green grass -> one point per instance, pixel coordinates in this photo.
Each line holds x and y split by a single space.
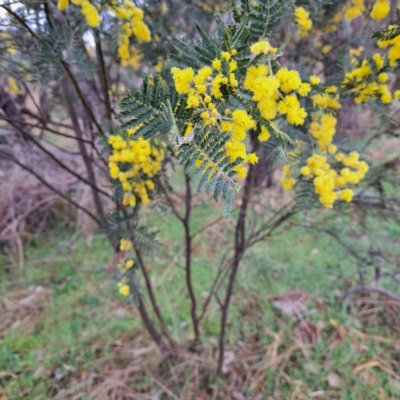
78 315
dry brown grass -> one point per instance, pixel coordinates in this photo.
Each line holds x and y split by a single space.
134 368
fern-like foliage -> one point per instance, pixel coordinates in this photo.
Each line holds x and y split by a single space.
127 226
264 16
144 110
60 42
147 110
216 169
196 55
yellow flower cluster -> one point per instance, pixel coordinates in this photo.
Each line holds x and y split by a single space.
264 135
329 184
125 245
367 85
237 126
289 79
288 181
134 19
183 78
88 10
124 265
355 9
303 19
124 288
12 86
354 53
327 100
273 94
134 164
380 9
204 89
62 4
323 129
267 91
290 106
263 47
394 51
7 42
209 6
133 25
159 66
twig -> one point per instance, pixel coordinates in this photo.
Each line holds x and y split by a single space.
185 220
56 160
20 20
240 246
44 127
81 97
216 283
153 298
31 171
99 51
362 288
188 258
82 149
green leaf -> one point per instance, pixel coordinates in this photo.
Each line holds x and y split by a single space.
240 30
218 187
228 204
204 179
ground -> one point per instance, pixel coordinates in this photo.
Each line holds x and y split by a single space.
66 332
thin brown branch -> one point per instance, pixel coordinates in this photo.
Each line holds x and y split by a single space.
219 278
45 128
100 55
170 202
270 227
238 253
379 290
146 320
49 121
31 171
188 261
86 159
56 160
81 96
20 20
153 300
212 223
149 324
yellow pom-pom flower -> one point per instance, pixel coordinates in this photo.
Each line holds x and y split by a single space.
380 9
62 4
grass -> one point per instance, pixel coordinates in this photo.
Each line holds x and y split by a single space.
76 328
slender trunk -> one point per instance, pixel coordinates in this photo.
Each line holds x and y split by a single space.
82 97
104 79
153 300
188 262
238 253
88 164
149 325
